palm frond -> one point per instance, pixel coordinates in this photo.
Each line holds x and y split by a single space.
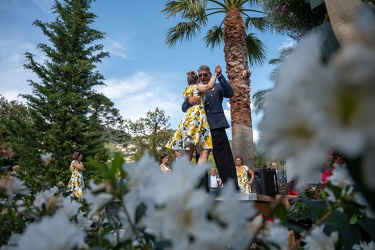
284 52
182 31
259 99
274 73
214 37
220 3
186 9
260 23
253 2
256 50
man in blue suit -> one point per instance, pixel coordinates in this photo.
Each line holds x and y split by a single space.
218 123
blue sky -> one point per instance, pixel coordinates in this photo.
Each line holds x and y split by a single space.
142 73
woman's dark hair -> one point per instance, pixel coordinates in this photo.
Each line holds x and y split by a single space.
239 157
162 158
76 154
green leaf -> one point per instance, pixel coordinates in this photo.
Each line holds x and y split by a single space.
139 212
116 164
355 218
282 213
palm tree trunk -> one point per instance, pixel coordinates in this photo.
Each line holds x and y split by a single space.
236 59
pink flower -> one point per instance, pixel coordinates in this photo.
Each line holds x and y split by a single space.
275 9
283 9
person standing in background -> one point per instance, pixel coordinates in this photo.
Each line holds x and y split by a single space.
164 164
281 184
76 184
244 183
214 181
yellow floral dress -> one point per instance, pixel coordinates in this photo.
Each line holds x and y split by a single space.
76 184
193 127
242 180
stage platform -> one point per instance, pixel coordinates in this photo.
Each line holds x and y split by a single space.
264 203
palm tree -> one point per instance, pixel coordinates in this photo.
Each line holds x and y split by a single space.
240 50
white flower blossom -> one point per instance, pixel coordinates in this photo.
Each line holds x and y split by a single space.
21 208
115 237
236 215
46 158
317 239
346 120
292 122
255 224
96 201
83 222
183 218
12 242
341 177
276 234
12 185
184 178
50 198
144 177
55 232
358 197
364 246
70 206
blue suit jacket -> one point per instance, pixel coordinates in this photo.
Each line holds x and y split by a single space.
213 104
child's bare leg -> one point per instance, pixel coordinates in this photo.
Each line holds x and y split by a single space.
190 151
203 155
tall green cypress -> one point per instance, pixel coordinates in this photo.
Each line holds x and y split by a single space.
63 103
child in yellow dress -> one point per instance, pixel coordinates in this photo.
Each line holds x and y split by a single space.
193 129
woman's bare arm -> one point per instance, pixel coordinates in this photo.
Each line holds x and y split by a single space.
210 85
252 175
78 165
162 169
203 88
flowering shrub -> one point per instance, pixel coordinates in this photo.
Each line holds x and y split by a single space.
316 106
314 192
291 17
136 206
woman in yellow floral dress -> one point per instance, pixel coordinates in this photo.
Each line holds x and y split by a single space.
193 129
76 184
244 183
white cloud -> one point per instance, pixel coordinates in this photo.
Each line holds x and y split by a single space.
256 135
227 114
13 75
136 95
117 88
116 48
289 42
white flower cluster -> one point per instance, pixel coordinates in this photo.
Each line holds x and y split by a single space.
317 106
12 185
177 211
57 231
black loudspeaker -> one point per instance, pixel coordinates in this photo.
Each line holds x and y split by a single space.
265 181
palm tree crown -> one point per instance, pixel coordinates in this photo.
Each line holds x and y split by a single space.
194 16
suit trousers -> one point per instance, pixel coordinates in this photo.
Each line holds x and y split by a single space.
223 155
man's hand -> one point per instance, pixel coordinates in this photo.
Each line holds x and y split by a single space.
218 70
193 100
